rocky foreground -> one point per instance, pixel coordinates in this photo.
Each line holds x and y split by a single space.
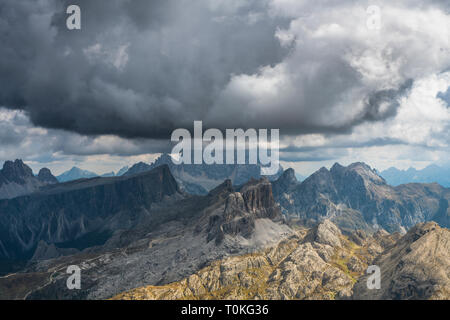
322 263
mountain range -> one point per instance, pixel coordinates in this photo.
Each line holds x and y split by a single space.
356 197
200 179
142 236
429 174
76 173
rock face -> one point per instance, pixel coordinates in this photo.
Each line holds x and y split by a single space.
416 267
356 197
325 233
253 201
80 214
17 179
200 179
285 183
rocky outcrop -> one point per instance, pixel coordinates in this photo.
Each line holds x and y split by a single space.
298 267
356 197
17 179
416 267
323 264
46 176
286 182
253 201
325 233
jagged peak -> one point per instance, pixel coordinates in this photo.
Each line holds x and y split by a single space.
140 163
365 171
323 169
336 166
45 175
16 170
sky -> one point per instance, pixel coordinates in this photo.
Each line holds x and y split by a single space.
339 86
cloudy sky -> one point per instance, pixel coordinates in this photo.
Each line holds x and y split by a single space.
339 87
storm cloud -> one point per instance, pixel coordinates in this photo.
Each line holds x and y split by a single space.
140 69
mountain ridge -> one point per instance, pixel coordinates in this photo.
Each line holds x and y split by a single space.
200 179
360 193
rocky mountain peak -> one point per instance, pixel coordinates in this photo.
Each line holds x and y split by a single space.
45 175
325 232
253 201
366 172
16 171
138 168
17 179
258 195
321 176
289 176
285 182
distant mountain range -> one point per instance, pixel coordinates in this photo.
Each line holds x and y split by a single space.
76 173
430 174
200 179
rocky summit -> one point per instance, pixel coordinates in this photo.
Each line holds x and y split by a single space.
17 179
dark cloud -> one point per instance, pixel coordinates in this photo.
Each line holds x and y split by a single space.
136 69
140 69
